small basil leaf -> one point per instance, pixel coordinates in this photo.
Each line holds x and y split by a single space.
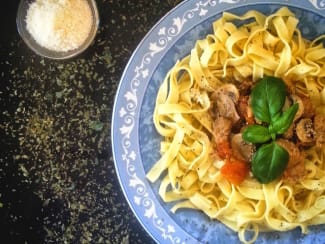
282 124
269 162
256 134
267 98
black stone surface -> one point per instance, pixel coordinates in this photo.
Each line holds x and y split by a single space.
57 178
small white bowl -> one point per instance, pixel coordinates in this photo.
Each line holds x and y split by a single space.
42 51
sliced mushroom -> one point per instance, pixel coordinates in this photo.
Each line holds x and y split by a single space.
305 109
225 99
309 110
305 132
300 112
319 125
231 91
241 149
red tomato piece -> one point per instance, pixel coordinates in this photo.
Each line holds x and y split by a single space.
235 171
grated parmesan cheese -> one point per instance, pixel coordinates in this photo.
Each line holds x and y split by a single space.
59 25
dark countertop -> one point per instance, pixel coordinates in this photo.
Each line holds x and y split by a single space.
57 178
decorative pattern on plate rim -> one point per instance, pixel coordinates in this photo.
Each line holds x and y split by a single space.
319 4
128 112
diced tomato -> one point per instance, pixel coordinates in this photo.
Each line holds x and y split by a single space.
235 171
224 149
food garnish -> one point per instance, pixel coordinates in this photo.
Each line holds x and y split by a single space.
267 100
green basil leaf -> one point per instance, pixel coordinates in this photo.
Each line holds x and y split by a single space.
267 98
256 134
281 124
269 162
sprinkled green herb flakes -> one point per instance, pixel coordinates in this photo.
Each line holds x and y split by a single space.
96 125
60 124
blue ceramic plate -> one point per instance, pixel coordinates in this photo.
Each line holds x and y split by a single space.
135 141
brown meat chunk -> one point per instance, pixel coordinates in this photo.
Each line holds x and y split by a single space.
222 129
296 165
225 100
245 86
290 132
319 125
244 109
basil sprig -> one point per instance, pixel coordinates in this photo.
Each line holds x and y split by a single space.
267 100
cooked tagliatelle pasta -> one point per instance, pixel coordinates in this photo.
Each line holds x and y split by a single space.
241 49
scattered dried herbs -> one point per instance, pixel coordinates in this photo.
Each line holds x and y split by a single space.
55 118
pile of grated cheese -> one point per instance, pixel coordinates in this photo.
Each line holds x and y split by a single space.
59 25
